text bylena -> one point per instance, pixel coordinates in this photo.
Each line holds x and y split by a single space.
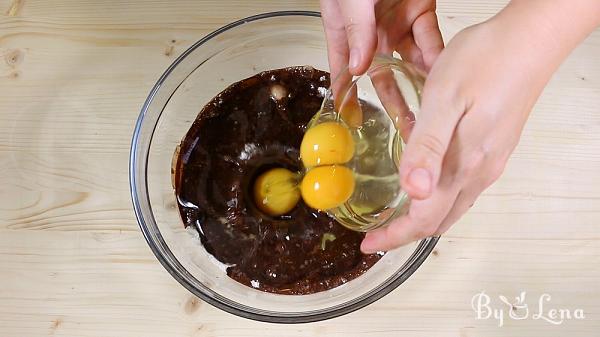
519 309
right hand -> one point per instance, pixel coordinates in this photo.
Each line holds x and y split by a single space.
476 100
357 29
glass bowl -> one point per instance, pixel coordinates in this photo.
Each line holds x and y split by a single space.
379 108
227 55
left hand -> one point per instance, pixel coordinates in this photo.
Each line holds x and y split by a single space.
357 29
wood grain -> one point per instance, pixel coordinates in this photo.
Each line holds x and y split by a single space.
73 76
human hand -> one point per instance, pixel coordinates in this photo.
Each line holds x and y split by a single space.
357 29
475 103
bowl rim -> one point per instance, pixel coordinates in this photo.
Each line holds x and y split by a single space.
157 245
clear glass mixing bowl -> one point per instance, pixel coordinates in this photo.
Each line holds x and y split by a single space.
227 55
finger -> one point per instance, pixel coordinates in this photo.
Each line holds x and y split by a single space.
465 199
387 89
423 219
350 109
486 174
428 38
335 34
472 167
421 163
359 20
345 98
392 100
408 49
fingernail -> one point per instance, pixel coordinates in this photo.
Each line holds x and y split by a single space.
354 61
420 178
370 243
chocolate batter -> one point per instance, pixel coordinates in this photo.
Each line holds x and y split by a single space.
252 126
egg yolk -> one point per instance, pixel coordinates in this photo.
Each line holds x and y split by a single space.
276 191
326 144
327 187
351 112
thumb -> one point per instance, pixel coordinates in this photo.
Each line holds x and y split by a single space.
359 21
421 163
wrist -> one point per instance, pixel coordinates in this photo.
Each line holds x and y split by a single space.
542 33
558 25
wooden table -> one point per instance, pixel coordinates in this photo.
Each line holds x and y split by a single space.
73 76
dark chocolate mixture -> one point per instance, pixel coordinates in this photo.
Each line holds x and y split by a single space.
254 125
